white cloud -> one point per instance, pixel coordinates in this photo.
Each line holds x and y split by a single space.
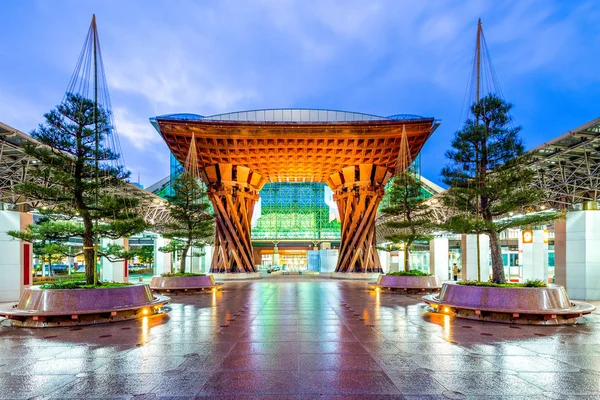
20 113
138 132
374 56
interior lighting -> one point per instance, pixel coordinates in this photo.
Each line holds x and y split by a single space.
446 309
145 311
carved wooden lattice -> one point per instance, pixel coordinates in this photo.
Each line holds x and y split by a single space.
233 191
364 152
357 192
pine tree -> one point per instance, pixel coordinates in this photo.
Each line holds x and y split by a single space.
192 225
67 179
407 205
487 178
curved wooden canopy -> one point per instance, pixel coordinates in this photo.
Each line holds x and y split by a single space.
294 151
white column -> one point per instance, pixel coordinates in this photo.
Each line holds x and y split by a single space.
206 259
469 257
560 253
438 258
384 259
583 255
534 257
162 261
275 256
328 260
396 260
116 271
16 256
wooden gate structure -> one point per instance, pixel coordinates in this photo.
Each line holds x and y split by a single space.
237 153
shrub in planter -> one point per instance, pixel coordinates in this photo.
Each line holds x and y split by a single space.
412 272
179 274
81 285
536 283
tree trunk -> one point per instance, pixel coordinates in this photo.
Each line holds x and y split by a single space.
407 255
88 250
183 259
497 264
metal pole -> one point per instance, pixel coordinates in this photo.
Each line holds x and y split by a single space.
478 60
96 244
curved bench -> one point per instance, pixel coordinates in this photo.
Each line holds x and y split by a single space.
40 308
408 284
183 284
544 306
237 276
355 276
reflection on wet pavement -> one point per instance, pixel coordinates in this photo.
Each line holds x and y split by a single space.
298 338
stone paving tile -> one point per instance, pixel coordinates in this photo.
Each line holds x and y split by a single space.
578 383
107 386
8 364
61 366
486 383
25 387
180 384
140 365
530 364
302 338
452 363
260 362
330 362
346 382
252 383
332 347
415 382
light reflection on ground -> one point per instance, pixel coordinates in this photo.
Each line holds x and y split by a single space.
294 336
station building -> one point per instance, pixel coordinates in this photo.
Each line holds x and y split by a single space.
296 222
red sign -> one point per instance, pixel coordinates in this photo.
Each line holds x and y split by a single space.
26 263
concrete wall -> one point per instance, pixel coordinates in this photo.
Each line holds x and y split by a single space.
583 255
438 258
16 257
534 257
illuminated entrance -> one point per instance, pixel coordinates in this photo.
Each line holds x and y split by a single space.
238 153
285 259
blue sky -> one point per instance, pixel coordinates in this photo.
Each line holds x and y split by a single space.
379 56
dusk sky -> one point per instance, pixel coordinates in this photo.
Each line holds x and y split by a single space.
377 57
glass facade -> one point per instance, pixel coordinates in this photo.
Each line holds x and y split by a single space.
175 169
296 211
292 211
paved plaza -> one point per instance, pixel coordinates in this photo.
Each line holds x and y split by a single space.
302 338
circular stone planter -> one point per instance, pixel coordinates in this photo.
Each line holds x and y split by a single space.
355 276
408 284
242 276
183 284
542 306
41 308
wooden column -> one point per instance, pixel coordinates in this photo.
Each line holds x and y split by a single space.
233 191
357 193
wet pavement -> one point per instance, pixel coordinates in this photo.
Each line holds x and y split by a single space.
302 338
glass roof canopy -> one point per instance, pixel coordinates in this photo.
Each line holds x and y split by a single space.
290 115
